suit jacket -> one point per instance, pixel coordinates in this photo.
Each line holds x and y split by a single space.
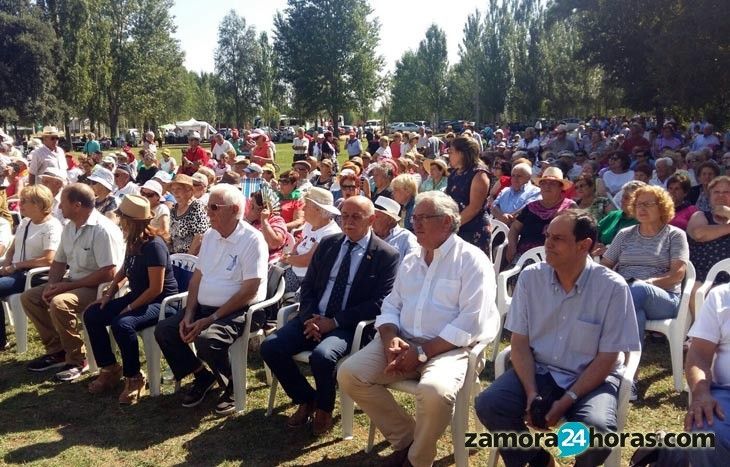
372 282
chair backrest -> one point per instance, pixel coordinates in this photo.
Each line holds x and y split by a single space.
497 242
533 255
722 266
183 266
688 283
504 297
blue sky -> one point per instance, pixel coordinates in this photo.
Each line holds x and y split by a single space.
403 24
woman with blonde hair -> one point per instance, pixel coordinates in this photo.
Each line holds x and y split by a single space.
405 189
148 270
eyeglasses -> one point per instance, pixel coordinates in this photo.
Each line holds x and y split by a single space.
646 204
423 217
118 175
348 187
148 194
215 207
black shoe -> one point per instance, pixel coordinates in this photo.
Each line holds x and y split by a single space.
634 396
47 362
226 404
202 384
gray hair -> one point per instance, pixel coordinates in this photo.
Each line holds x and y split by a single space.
666 160
443 204
385 167
149 133
230 195
632 186
524 168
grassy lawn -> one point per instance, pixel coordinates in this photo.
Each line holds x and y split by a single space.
48 423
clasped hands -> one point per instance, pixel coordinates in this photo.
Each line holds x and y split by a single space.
317 326
556 412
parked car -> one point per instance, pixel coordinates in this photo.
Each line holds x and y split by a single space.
422 123
373 126
404 127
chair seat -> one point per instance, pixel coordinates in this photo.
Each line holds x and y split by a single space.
659 325
302 357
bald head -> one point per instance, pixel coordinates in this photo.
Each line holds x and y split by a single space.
362 203
358 214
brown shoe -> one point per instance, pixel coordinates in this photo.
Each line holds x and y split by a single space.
397 458
301 416
322 422
134 389
107 380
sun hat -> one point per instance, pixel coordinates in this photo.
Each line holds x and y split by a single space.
154 186
323 199
183 179
165 152
303 163
269 168
54 172
162 176
231 178
554 174
389 207
199 177
135 207
50 131
253 167
439 162
103 176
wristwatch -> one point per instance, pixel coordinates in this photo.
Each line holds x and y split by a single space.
422 357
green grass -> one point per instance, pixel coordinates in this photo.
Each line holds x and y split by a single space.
48 423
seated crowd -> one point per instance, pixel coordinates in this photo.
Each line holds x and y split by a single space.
401 237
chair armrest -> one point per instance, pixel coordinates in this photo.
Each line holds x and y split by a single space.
477 358
630 367
357 340
271 301
500 363
502 279
285 314
34 272
178 297
700 296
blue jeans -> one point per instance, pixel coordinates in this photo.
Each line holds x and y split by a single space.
651 302
279 348
9 285
721 428
124 327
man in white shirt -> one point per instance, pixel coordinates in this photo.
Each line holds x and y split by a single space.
300 145
53 179
385 226
222 148
124 182
706 140
443 301
47 155
230 275
664 168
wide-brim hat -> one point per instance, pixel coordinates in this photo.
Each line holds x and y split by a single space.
54 172
182 179
103 176
304 164
254 167
135 207
50 131
154 186
200 178
323 199
389 207
439 162
554 174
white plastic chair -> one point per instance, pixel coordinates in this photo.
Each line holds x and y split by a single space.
462 406
701 293
504 298
631 363
496 249
347 405
152 351
239 350
16 314
676 329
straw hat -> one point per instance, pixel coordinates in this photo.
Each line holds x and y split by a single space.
323 199
555 174
135 207
183 179
54 172
50 131
389 207
439 162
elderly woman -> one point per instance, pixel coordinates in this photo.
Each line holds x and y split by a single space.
148 168
699 195
152 190
168 164
652 256
35 244
350 185
326 176
438 175
148 270
382 174
586 198
269 223
200 187
319 213
468 185
149 143
102 183
709 231
290 198
618 173
678 186
616 220
528 229
188 218
405 189
263 152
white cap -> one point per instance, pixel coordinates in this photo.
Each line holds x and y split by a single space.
153 185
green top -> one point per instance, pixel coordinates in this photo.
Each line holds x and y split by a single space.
296 194
609 226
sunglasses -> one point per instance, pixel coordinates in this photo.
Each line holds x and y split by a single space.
216 207
348 187
119 175
148 194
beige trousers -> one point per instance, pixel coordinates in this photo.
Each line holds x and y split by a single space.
362 377
58 323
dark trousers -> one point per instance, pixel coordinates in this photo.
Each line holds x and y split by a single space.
9 285
501 408
211 344
124 327
279 348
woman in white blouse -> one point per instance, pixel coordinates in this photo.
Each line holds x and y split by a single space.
36 241
618 172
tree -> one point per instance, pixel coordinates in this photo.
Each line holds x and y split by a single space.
234 68
433 57
407 101
272 92
340 72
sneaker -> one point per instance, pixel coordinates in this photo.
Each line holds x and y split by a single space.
201 386
47 362
72 372
634 393
226 405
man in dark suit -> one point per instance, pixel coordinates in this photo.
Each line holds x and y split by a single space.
349 276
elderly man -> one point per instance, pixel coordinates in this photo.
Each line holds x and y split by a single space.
561 141
353 145
230 275
91 248
124 182
530 143
635 139
709 379
385 226
570 318
442 303
49 154
664 168
706 140
223 149
345 283
53 179
300 144
520 192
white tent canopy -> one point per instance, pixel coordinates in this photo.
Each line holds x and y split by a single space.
204 128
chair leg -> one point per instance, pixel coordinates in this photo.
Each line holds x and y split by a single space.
493 457
153 354
347 409
19 322
89 353
498 339
676 352
272 395
239 353
459 423
371 436
269 376
613 459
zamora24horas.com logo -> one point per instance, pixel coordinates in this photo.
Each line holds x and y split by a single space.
573 438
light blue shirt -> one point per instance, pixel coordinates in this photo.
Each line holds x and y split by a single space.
511 201
402 240
354 148
358 251
567 330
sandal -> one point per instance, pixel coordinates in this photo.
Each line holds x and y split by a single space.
108 379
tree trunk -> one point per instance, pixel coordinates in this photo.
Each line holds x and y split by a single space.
659 114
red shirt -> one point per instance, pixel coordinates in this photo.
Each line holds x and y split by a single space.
194 155
288 207
395 150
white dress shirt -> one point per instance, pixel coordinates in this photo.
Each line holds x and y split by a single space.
452 298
